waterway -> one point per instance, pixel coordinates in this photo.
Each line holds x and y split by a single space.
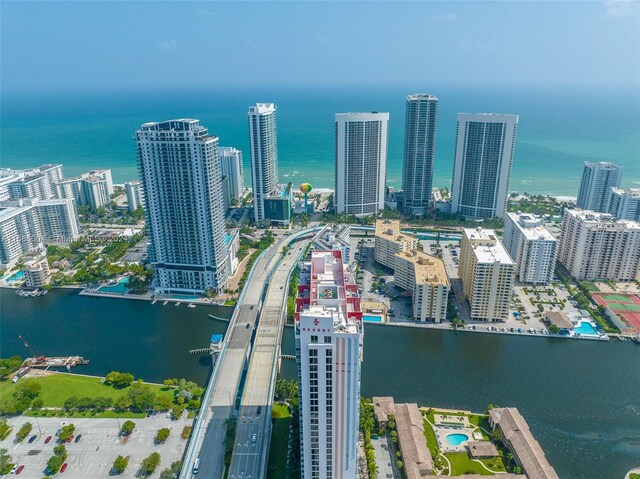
580 398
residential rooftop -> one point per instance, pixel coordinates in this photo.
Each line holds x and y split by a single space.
531 226
427 268
390 230
486 246
602 221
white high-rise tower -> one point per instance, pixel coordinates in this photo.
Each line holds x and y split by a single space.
595 186
231 160
264 155
329 338
181 175
419 152
482 165
361 162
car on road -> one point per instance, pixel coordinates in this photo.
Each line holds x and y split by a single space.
48 440
64 467
254 437
247 326
259 409
32 438
20 469
78 437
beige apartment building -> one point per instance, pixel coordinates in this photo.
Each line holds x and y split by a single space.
390 241
488 273
425 275
596 246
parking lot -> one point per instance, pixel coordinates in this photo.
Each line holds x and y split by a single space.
100 444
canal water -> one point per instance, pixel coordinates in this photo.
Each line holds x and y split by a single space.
580 398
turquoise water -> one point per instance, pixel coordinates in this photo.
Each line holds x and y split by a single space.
557 132
185 297
121 287
16 276
372 319
586 329
457 439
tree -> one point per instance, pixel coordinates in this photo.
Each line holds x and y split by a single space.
400 464
9 365
37 403
127 428
5 459
173 471
60 450
54 464
122 403
24 431
28 389
118 380
177 411
142 397
163 434
150 463
163 403
66 432
120 464
554 329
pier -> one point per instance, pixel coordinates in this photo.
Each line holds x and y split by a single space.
55 362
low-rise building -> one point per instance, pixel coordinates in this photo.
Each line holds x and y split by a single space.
411 439
277 209
481 449
517 437
531 246
488 273
390 241
334 237
559 320
36 272
597 246
426 277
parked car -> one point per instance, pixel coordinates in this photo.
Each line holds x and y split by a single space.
70 438
48 440
78 437
64 467
32 438
20 469
14 469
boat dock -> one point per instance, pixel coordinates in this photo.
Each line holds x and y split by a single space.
55 362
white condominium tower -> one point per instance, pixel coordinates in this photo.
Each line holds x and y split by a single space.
180 171
595 186
482 164
596 246
625 203
329 335
135 195
231 160
264 155
419 152
361 162
531 246
487 274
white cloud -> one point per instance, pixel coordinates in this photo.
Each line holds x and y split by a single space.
447 17
168 45
619 8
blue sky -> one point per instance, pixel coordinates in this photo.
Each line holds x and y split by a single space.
98 45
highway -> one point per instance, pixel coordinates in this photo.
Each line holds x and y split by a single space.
253 430
218 400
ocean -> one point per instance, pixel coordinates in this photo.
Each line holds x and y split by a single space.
558 129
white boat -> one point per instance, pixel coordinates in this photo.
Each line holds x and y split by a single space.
191 305
165 303
178 303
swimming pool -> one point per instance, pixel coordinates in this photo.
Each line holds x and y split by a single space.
16 277
121 287
457 439
586 329
372 319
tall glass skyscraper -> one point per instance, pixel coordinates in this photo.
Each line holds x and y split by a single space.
482 166
182 179
595 186
419 152
263 139
361 162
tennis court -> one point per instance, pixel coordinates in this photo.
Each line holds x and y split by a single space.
625 306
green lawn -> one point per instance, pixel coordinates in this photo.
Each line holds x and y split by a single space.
280 411
432 443
57 388
110 414
277 468
624 307
633 475
462 464
589 286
